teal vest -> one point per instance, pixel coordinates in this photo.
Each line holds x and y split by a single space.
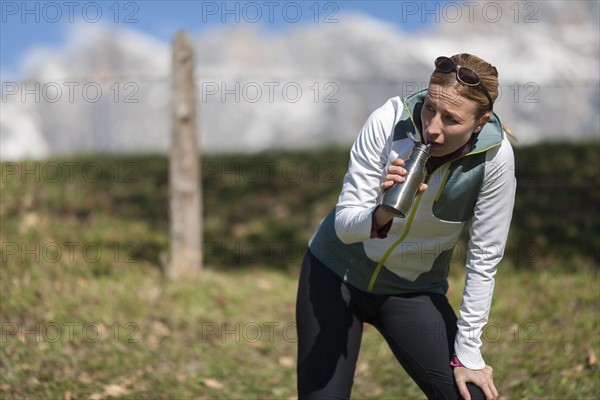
416 255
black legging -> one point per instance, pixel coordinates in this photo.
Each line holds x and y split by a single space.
419 329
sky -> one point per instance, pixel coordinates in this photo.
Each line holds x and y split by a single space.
26 25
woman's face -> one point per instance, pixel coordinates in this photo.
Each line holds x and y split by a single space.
448 119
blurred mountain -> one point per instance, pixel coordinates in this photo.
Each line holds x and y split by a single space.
309 86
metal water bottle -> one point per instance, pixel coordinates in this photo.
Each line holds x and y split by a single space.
398 199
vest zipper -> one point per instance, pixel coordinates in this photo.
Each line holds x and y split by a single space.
411 217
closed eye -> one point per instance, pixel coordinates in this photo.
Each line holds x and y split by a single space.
452 120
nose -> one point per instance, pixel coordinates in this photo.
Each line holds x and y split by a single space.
434 129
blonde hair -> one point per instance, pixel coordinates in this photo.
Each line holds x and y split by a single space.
488 74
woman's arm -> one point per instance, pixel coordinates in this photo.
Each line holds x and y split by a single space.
488 234
361 188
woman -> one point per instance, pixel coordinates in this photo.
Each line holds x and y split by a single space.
365 265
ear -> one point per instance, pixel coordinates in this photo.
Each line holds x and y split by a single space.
482 121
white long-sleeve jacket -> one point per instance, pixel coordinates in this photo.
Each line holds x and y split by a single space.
475 190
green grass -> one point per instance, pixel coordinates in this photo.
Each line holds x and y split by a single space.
87 313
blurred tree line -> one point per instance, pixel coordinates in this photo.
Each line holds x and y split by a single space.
261 209
555 220
556 216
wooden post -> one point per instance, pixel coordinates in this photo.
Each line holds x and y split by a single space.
185 195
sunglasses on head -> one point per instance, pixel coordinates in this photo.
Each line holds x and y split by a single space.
464 75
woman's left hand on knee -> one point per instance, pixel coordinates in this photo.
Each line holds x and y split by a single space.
479 377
